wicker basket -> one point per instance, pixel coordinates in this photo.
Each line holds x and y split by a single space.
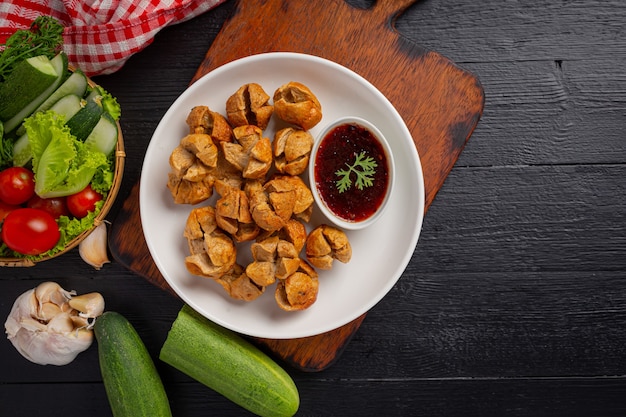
120 157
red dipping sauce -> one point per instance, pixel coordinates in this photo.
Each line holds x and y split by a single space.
338 150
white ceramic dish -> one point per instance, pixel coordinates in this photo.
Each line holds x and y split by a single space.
380 252
322 206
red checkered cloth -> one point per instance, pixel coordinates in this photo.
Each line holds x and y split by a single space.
100 35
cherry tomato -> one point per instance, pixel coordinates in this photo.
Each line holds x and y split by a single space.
30 231
56 206
17 185
5 209
83 202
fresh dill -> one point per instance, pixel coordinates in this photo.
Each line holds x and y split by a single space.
44 37
6 150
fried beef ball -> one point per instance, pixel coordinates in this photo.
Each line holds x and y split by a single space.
232 213
250 152
202 120
296 104
212 252
292 149
299 290
249 105
191 178
271 204
326 243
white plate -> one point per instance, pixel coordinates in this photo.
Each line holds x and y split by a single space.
380 253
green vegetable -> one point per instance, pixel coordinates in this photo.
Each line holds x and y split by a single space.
226 363
75 84
62 164
21 151
6 150
83 122
131 380
363 167
30 79
44 37
67 107
103 137
59 63
70 227
108 102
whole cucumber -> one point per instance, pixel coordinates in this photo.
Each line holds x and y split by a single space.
225 362
132 383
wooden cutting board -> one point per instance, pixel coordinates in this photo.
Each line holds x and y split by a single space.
441 104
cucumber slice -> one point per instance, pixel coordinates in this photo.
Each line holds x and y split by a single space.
22 153
94 95
32 86
103 137
83 122
75 84
67 106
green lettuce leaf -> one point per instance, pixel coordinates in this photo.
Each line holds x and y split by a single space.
62 164
109 103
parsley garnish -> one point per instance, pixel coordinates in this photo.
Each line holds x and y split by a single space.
363 167
44 37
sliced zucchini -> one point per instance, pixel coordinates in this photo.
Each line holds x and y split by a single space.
30 87
103 137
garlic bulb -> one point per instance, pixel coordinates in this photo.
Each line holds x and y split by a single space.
93 248
51 326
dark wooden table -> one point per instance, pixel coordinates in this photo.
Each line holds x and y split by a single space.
514 303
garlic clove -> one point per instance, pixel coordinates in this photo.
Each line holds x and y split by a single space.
33 325
83 335
90 305
61 323
30 304
66 307
51 292
48 310
93 248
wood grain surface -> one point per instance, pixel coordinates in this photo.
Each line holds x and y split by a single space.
513 302
440 103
